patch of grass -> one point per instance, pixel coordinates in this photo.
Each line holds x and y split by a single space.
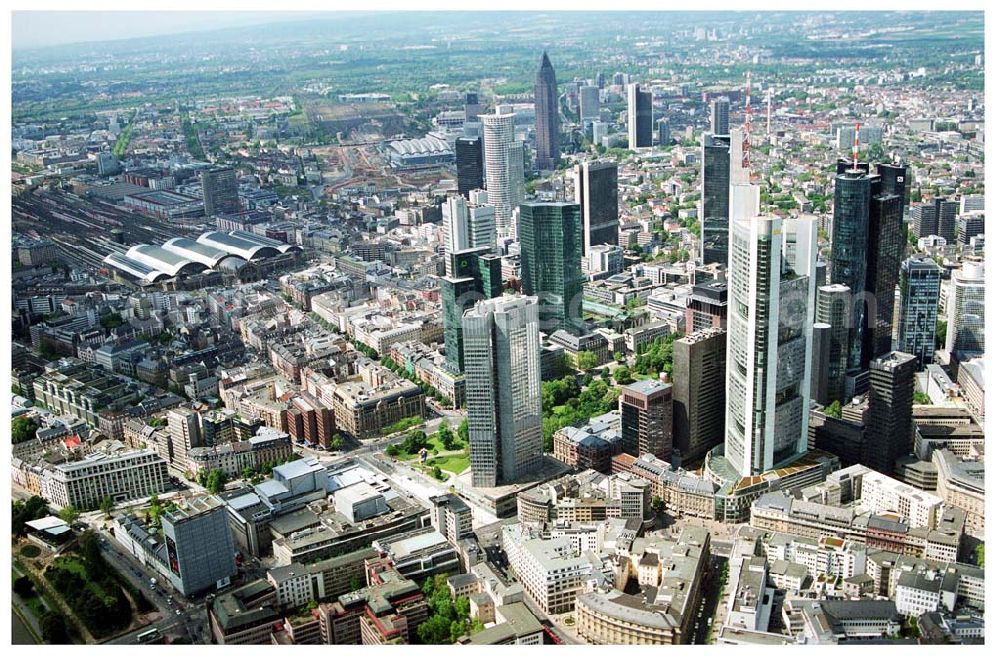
455 464
402 424
31 551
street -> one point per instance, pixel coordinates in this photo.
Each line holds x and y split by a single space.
175 612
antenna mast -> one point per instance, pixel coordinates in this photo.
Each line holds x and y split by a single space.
746 127
857 135
769 91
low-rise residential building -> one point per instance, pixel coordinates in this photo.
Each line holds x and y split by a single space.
363 410
267 446
669 573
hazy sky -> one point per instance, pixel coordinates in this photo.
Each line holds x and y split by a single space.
34 29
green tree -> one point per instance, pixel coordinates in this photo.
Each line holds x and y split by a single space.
833 410
921 398
586 360
337 442
658 505
216 480
27 511
248 472
54 629
111 320
69 514
940 334
22 429
436 630
107 505
463 430
981 554
623 376
24 587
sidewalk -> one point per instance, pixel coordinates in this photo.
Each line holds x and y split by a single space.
27 617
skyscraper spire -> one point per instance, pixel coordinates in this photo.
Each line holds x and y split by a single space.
546 116
746 127
857 136
769 94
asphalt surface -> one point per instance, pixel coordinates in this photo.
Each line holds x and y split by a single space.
190 622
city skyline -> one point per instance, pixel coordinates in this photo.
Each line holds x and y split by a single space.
498 328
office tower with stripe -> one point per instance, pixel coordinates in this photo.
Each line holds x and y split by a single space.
220 191
719 119
919 290
867 246
596 192
504 164
770 329
474 276
640 117
647 414
715 181
590 104
699 409
889 434
469 164
503 389
550 234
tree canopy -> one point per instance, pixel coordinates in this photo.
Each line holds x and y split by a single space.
22 429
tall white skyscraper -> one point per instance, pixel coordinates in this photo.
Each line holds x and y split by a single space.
772 262
455 217
467 225
504 163
482 221
966 309
503 389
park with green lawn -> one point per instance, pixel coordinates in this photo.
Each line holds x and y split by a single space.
446 450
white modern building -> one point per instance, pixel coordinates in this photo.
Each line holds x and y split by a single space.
504 167
966 311
121 477
552 571
919 592
772 263
468 225
880 493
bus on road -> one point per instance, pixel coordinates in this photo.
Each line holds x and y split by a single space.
149 636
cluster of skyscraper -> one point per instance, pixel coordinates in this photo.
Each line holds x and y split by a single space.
794 333
495 340
794 336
